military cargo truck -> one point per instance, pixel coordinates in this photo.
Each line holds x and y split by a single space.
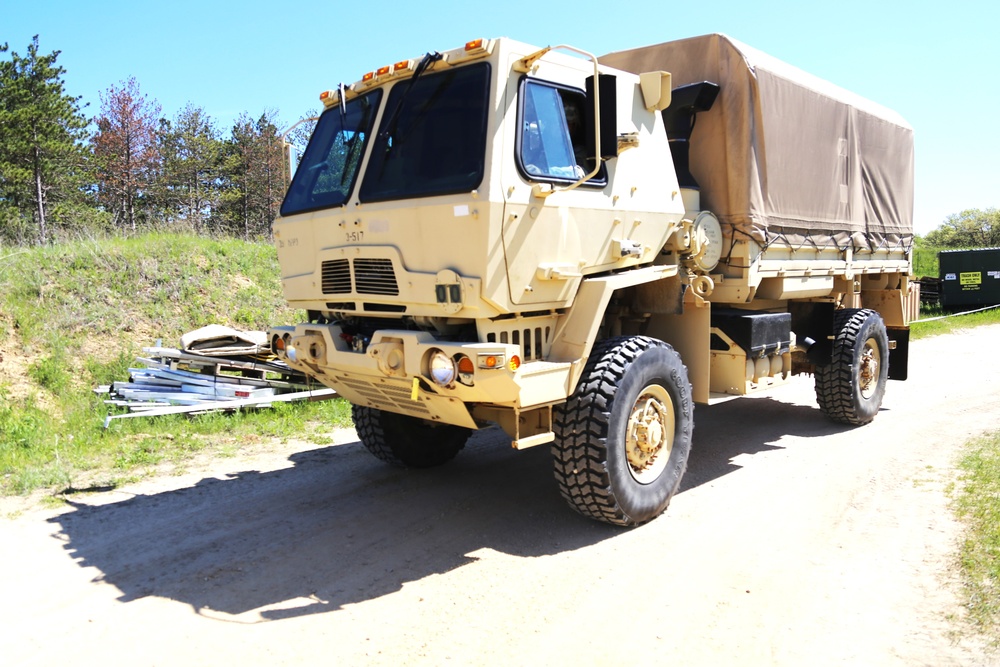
580 249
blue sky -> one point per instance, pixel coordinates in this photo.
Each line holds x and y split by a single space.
935 63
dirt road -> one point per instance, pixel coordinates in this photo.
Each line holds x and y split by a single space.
793 541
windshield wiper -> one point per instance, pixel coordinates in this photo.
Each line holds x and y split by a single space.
390 126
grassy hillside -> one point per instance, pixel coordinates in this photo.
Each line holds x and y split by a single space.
76 315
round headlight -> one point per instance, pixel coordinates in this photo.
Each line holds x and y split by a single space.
442 368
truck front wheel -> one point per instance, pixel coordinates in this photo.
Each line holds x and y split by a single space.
407 441
623 437
850 388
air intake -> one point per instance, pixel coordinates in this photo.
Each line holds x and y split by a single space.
336 277
375 276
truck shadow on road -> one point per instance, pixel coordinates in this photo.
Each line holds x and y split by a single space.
749 426
339 528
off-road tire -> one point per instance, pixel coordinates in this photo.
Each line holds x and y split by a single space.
407 441
592 466
842 392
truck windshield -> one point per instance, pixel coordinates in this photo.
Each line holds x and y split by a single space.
329 167
436 144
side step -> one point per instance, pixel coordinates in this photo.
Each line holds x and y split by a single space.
533 440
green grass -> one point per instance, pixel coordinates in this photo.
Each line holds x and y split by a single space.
977 503
172 282
76 315
955 322
925 262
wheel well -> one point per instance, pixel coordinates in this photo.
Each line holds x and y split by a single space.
812 322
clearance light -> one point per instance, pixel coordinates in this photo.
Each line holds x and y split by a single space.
368 78
515 362
477 48
491 361
401 65
382 71
325 94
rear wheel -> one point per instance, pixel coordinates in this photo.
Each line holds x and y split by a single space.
407 441
850 388
623 438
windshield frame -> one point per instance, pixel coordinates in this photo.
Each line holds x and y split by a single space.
302 195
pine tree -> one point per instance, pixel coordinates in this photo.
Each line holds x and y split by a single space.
254 181
192 155
126 152
42 129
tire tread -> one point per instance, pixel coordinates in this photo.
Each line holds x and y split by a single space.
581 425
835 382
407 442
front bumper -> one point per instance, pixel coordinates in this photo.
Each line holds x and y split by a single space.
392 372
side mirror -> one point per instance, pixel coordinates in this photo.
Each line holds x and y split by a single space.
289 155
288 150
606 115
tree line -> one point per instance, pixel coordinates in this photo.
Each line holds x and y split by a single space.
972 228
126 169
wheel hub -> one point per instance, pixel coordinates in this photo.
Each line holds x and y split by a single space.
650 434
869 370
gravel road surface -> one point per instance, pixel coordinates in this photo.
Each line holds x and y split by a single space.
793 541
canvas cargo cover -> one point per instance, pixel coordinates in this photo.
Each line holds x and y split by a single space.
786 157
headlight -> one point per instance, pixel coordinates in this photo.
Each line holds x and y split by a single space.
442 368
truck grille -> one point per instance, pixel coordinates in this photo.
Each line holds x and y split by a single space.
336 277
371 276
534 341
375 276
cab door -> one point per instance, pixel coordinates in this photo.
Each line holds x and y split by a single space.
549 241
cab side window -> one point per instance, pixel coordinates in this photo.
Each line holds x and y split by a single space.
552 141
